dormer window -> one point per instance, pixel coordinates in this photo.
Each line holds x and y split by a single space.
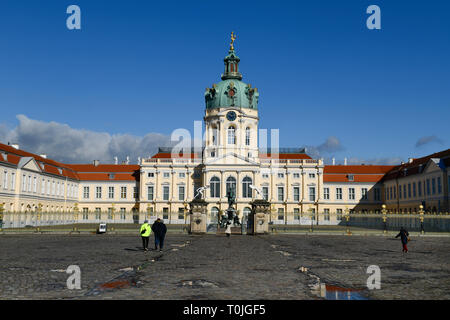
111 176
351 177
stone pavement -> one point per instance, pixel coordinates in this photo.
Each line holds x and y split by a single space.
213 267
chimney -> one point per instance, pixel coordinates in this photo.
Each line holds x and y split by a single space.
410 160
96 163
116 161
43 156
128 160
345 161
334 161
15 146
139 160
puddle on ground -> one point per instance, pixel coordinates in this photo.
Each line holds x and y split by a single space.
332 292
197 284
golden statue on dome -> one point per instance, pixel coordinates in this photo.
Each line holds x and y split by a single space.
233 37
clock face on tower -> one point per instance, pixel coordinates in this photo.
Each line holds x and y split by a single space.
231 116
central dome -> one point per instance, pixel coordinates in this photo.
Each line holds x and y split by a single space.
231 91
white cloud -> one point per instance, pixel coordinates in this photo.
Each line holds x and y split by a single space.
63 143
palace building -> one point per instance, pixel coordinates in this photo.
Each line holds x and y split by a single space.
298 187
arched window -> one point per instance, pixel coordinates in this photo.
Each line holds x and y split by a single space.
247 211
231 135
214 186
231 185
214 213
215 136
247 136
246 190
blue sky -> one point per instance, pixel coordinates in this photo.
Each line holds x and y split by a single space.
141 67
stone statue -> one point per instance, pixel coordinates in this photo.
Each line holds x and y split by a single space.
258 190
200 191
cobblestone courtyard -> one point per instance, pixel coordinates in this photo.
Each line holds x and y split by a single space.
215 267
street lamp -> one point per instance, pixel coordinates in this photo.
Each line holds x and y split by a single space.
384 211
347 218
421 212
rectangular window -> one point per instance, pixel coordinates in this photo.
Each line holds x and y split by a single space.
181 193
29 184
296 193
123 192
296 213
280 194
265 193
123 213
180 213
326 193
312 194
351 193
419 188
85 192
280 175
111 192
439 185
428 187
85 213
399 192
338 214
165 213
13 181
409 190
312 175
150 193
377 194
326 214
24 183
98 213
98 192
364 194
181 175
414 189
166 174
135 192
34 184
57 189
338 193
53 188
395 192
151 174
296 175
5 179
280 213
265 175
166 193
433 185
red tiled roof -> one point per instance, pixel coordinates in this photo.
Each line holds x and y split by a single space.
285 156
106 177
357 169
416 165
360 173
14 155
104 168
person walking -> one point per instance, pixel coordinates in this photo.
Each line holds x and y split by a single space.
159 229
145 231
404 236
228 230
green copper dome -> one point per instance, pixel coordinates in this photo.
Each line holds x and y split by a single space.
231 91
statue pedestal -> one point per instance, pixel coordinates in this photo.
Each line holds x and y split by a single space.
259 217
198 216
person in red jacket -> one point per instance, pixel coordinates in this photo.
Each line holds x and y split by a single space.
403 234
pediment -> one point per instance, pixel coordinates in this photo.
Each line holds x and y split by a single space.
231 159
29 163
432 165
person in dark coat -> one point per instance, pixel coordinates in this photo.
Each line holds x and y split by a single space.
403 234
159 229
